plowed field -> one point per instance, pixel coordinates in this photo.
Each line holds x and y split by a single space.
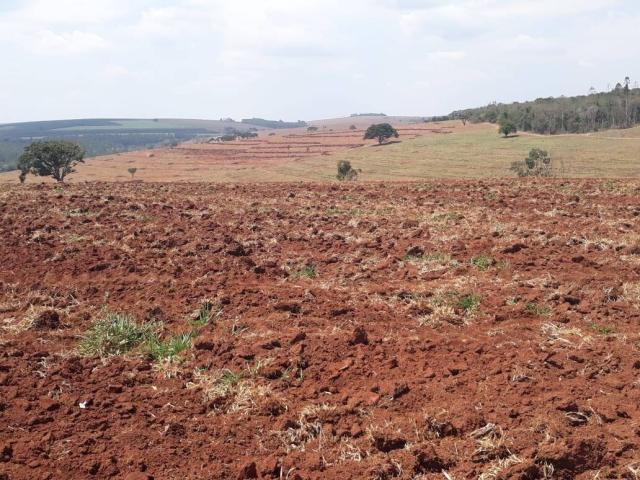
458 330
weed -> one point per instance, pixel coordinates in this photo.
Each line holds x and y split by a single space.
116 334
469 303
158 349
308 271
482 262
602 329
203 315
536 309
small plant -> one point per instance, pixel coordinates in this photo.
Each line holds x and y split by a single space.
469 303
482 262
536 309
203 315
158 349
346 171
308 271
132 171
602 329
116 334
537 164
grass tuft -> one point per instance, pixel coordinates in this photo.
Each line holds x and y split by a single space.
116 334
482 262
158 349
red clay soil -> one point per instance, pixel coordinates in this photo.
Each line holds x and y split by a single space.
370 331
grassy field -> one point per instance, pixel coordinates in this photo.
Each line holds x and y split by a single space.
478 151
442 150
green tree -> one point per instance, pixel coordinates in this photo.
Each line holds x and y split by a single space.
537 164
346 171
380 131
50 158
507 127
132 171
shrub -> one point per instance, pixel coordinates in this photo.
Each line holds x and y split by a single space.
116 334
346 171
537 164
312 129
507 127
132 171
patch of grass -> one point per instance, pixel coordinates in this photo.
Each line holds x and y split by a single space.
482 262
116 334
536 309
602 329
158 349
469 303
308 271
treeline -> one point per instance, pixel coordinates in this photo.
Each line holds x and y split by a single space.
618 108
261 122
97 143
368 115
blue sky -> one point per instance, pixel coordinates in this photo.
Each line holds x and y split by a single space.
304 59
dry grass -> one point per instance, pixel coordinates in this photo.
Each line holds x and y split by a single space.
443 150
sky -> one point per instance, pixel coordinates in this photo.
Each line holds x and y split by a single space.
304 59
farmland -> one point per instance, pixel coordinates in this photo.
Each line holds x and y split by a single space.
423 151
451 329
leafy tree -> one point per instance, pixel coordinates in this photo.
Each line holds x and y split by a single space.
353 127
380 131
507 127
312 129
50 158
537 164
132 171
346 171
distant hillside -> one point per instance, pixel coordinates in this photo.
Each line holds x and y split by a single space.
105 136
273 123
619 108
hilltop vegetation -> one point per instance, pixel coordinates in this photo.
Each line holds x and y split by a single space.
261 122
618 108
106 136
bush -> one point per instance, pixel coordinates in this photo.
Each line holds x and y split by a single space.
312 129
507 128
537 164
346 171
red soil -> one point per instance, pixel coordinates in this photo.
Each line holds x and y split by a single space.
454 329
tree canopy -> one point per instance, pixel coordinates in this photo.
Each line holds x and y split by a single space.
50 158
380 131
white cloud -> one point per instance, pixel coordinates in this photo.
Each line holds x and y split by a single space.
303 59
447 55
47 42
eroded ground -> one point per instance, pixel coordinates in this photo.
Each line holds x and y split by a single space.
436 330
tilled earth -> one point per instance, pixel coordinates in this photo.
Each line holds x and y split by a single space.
454 330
